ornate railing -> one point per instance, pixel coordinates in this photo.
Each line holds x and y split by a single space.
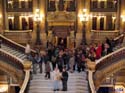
107 65
20 36
22 65
22 6
16 69
12 65
105 6
13 44
27 67
119 39
100 35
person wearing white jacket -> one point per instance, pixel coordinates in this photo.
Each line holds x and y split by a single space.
27 49
56 76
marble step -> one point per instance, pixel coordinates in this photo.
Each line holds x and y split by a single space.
69 80
73 78
49 87
43 74
58 91
70 86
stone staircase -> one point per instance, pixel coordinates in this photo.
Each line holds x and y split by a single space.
77 83
13 51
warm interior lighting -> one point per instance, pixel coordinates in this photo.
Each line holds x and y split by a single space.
113 17
10 2
123 18
119 89
37 10
0 16
83 17
3 88
10 17
84 10
37 16
102 0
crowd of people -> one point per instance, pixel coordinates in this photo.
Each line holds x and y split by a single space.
64 59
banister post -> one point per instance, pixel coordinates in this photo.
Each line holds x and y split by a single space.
91 66
27 67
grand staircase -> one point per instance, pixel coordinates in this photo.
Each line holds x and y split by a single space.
77 83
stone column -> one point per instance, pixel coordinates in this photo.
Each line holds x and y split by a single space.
4 14
118 15
16 22
80 4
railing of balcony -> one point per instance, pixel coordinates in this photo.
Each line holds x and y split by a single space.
19 36
98 35
19 6
105 6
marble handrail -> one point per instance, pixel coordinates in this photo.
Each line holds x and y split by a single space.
14 44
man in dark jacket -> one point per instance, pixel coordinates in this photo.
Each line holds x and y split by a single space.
64 79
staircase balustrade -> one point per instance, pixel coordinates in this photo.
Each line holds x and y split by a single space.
98 70
11 58
107 65
17 73
13 44
119 40
18 64
27 67
16 67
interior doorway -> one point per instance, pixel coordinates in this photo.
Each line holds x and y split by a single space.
62 42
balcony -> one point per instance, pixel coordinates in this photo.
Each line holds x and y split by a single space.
20 6
97 35
103 6
19 36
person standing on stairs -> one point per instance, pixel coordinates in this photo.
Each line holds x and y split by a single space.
38 60
47 70
28 50
64 79
56 76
